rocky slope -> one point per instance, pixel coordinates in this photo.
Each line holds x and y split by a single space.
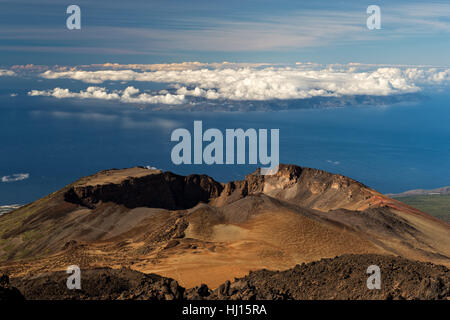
342 278
143 188
337 278
196 230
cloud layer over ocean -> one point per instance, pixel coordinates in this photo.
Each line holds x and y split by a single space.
246 82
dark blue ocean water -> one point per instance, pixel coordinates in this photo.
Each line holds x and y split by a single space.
391 149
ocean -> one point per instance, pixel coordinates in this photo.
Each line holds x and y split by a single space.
389 148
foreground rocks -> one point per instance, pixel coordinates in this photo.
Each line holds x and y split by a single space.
7 292
101 284
337 278
343 278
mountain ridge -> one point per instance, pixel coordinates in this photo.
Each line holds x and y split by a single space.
172 225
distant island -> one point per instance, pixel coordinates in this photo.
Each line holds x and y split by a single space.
434 201
421 192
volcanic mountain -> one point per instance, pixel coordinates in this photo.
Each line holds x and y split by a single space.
196 230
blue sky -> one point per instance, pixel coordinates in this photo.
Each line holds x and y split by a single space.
413 32
131 58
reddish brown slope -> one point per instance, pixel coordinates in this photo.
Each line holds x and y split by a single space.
195 229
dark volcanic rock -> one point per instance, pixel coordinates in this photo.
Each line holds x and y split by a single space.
198 293
156 190
342 277
7 292
101 284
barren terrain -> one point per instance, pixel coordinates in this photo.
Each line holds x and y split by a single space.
199 231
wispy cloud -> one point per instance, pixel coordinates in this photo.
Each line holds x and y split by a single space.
161 123
125 121
90 116
336 163
280 30
15 177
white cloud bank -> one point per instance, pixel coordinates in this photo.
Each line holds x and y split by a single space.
129 95
15 177
245 82
255 83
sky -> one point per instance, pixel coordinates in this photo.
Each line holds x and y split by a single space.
203 53
139 56
283 31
